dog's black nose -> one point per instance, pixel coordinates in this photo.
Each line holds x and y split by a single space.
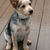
30 11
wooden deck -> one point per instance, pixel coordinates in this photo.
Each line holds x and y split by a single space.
40 23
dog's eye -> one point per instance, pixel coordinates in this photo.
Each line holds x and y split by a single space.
29 3
23 6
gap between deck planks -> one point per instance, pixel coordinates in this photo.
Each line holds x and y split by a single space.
3 21
36 18
40 25
5 18
44 39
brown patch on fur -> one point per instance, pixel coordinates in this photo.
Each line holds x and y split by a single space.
14 3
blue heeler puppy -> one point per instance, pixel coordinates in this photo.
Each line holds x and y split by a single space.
18 28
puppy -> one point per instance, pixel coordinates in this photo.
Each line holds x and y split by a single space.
17 30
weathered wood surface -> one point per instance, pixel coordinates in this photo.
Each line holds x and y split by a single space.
5 13
5 17
36 19
39 34
2 2
44 39
4 7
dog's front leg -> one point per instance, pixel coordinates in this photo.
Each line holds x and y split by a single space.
25 46
15 47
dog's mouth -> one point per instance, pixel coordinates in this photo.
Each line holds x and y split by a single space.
28 14
25 15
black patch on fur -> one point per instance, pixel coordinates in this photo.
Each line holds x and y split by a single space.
6 41
19 4
20 45
9 29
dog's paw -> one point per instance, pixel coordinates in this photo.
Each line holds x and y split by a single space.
29 42
26 48
8 47
15 48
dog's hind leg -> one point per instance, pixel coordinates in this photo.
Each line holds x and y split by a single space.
8 41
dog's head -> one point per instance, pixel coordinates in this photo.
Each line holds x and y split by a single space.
24 7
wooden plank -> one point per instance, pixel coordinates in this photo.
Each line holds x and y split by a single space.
36 18
6 17
3 21
2 42
2 2
4 8
44 39
34 3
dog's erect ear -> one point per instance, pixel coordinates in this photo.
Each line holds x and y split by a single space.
14 3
